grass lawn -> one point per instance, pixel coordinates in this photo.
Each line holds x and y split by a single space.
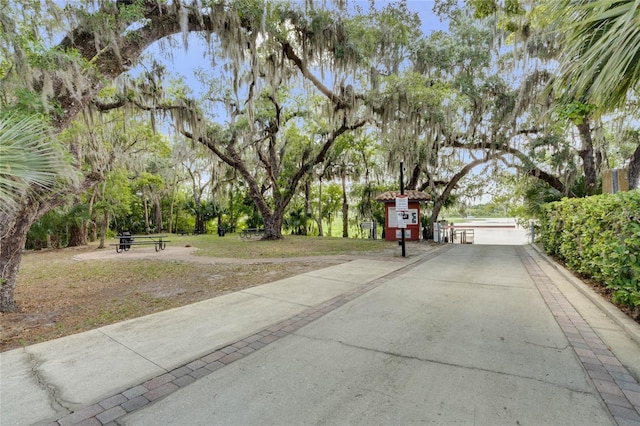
231 245
59 295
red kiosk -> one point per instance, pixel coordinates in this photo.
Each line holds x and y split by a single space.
411 214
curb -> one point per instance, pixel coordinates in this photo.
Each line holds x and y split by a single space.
630 327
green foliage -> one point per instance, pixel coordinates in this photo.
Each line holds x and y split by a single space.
117 194
576 111
484 8
50 226
296 220
30 157
513 7
366 205
598 237
599 59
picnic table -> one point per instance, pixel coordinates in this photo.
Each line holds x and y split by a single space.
250 232
127 241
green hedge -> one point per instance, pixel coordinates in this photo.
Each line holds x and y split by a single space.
598 237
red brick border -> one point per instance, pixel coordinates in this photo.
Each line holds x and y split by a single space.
619 390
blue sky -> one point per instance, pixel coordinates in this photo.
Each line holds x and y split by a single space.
424 8
184 63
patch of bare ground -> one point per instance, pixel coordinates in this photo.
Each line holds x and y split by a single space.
59 295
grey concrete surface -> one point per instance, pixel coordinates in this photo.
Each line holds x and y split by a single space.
463 338
452 341
615 328
48 380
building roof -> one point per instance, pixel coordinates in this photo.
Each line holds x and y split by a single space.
390 196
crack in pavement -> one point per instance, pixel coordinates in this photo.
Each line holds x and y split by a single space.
567 346
439 362
57 404
460 282
278 299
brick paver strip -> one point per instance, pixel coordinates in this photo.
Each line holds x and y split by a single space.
111 414
158 387
616 386
135 403
113 401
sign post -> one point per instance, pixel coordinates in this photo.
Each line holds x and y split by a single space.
402 205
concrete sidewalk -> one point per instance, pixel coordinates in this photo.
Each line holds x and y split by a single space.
47 381
462 334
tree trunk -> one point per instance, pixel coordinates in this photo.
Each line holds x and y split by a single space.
147 227
437 207
158 214
345 209
13 236
170 220
307 207
172 204
93 234
320 230
92 225
78 234
273 226
199 228
588 157
103 228
414 178
232 218
634 170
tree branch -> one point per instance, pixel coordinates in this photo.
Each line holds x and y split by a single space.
530 167
293 57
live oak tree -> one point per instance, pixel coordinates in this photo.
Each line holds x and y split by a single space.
59 81
257 141
448 108
99 41
594 46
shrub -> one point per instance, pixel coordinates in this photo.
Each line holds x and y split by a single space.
598 237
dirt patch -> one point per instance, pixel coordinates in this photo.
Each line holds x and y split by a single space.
63 292
67 291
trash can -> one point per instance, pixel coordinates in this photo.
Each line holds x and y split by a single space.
125 241
221 231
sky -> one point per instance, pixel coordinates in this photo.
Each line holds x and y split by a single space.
185 62
424 8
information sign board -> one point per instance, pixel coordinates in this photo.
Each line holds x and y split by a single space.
410 217
402 202
402 219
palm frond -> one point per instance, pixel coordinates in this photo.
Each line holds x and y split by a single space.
600 63
29 158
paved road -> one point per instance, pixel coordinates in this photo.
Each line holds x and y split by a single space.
463 338
463 334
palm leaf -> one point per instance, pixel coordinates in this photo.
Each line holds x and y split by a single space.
29 158
600 63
